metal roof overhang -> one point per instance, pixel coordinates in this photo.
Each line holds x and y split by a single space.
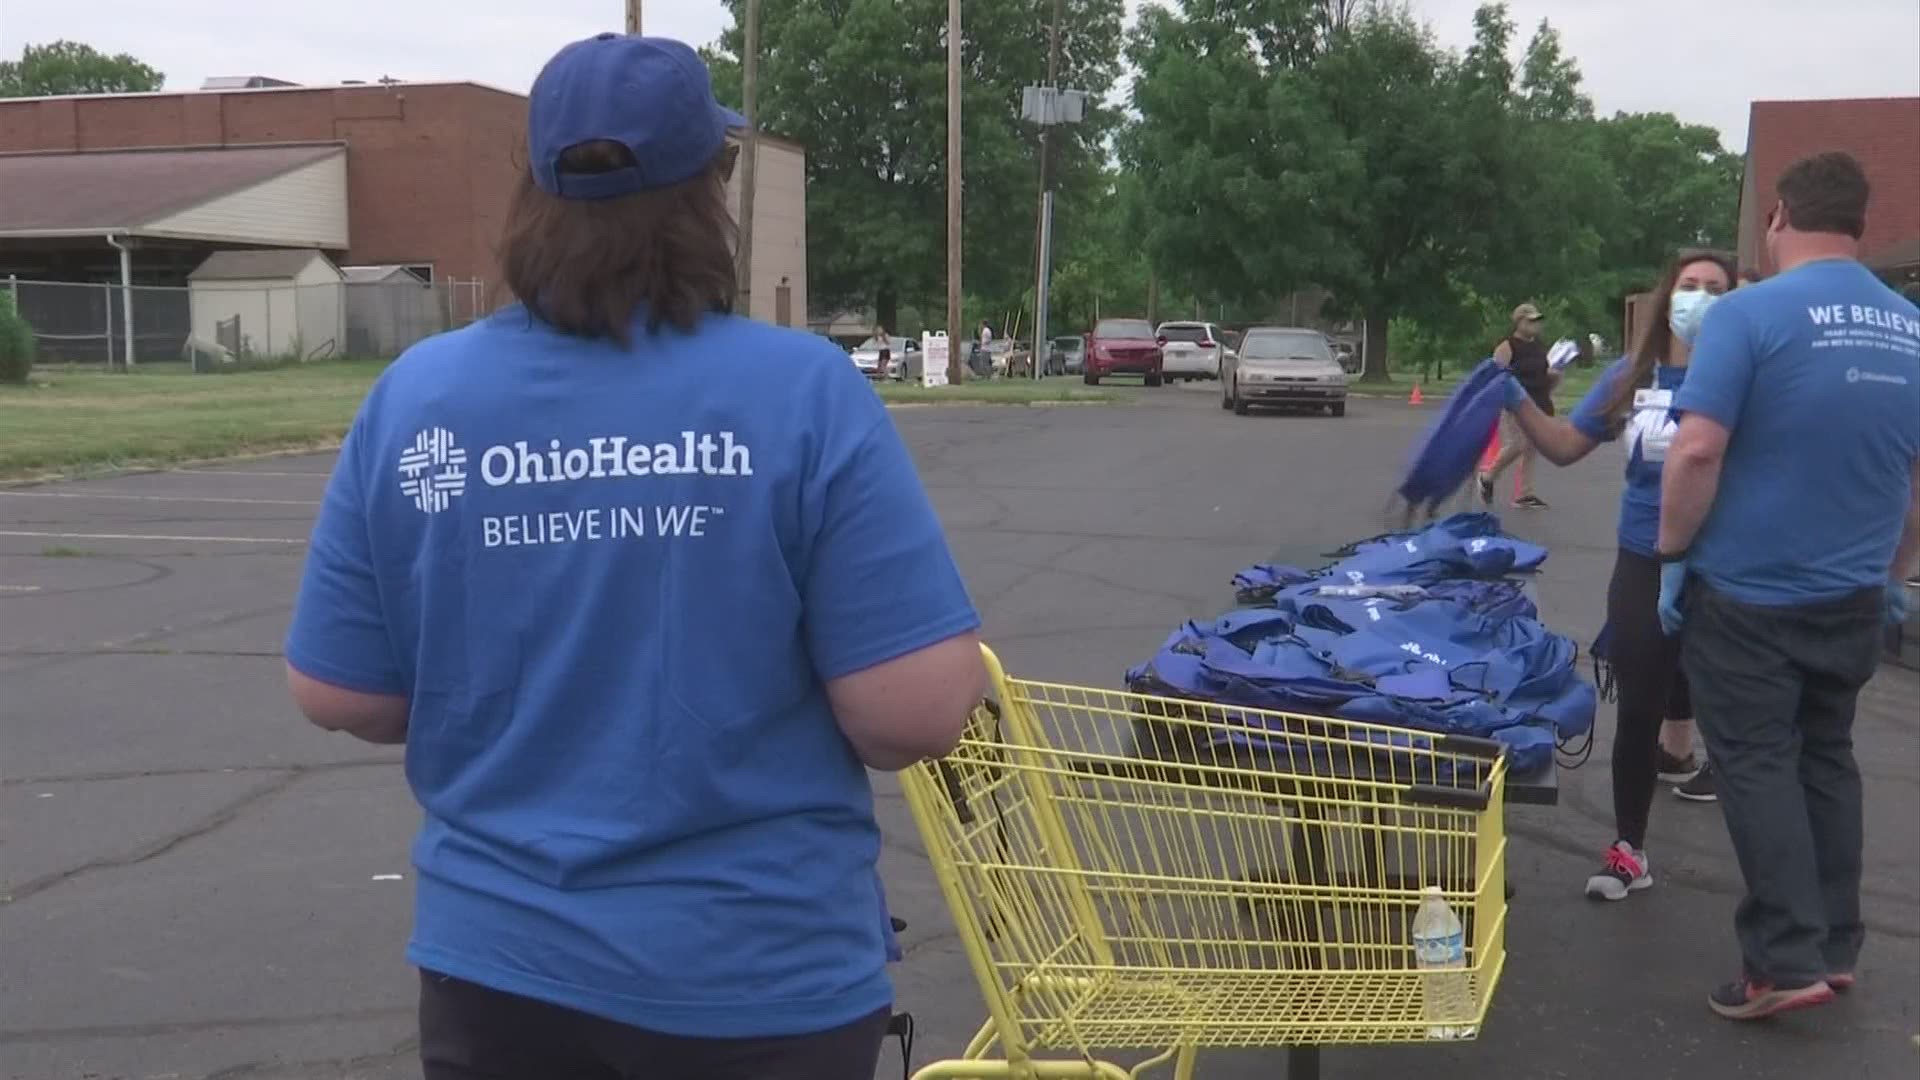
283 196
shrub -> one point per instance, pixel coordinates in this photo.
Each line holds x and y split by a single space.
16 342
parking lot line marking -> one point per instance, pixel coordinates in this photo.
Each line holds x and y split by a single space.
152 536
124 496
19 588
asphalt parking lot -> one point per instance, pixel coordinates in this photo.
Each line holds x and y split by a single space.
195 883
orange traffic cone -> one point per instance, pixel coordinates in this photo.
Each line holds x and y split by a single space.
1492 453
1415 398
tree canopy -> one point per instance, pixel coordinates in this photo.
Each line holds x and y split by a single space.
1280 146
69 67
862 85
1267 146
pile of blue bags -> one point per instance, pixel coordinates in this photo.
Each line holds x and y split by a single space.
1423 630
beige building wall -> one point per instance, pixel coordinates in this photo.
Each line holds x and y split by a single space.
303 208
779 233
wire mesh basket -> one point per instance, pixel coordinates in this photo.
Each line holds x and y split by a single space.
1131 872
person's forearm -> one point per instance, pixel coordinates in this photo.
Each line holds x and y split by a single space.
374 718
1906 557
1557 440
885 758
383 732
1688 485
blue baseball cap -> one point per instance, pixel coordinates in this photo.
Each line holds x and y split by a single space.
649 94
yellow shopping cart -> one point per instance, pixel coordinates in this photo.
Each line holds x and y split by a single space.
1150 875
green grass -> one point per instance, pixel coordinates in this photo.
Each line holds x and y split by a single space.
998 392
77 420
1577 382
80 420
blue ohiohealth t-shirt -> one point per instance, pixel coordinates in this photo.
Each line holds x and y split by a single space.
1647 432
1816 372
613 585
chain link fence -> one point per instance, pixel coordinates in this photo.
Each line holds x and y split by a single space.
221 322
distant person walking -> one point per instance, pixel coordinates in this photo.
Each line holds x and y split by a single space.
980 359
1790 512
1523 353
1631 402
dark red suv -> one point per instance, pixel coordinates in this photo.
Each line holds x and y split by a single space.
1123 347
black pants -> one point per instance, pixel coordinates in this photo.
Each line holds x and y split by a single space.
1646 665
1776 688
471 1032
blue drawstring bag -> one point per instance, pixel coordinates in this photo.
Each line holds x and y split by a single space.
1449 450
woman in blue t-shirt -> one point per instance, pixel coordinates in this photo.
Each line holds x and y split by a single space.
1630 402
645 587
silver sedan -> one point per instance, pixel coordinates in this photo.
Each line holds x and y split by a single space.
900 350
1283 365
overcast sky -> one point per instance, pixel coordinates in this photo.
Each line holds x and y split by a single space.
1703 61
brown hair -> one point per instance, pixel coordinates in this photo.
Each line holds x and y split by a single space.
585 266
1656 337
1825 193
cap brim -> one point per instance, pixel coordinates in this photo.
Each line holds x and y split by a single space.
729 117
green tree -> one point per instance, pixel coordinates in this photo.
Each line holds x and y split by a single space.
1285 143
69 67
16 342
1680 186
861 84
1099 267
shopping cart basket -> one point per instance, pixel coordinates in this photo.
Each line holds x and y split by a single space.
1131 873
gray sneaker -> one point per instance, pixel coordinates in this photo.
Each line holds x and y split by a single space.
1700 788
1674 770
1624 871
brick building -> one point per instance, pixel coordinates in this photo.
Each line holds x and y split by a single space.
1884 133
404 174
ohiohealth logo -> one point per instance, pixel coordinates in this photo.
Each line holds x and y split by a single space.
433 471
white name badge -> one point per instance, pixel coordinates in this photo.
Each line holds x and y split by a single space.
1650 427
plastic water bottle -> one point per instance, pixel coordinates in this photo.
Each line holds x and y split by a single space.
1440 951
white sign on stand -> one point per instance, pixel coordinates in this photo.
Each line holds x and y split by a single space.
933 358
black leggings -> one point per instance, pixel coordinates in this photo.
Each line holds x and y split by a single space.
472 1032
1646 665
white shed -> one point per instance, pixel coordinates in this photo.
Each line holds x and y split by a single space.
269 303
388 308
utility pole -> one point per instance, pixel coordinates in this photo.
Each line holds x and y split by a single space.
750 93
1042 224
956 369
633 16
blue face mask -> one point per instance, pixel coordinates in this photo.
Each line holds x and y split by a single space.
1688 310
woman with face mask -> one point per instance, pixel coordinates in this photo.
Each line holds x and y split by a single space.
1630 404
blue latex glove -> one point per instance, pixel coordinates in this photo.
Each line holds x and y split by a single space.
1516 394
1673 576
1896 602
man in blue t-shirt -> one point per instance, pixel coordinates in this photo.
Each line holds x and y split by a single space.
1790 512
645 588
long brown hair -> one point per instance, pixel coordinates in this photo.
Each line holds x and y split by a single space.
1656 336
585 266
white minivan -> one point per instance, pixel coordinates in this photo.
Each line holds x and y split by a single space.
1191 350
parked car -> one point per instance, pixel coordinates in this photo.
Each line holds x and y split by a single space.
901 364
1122 347
1068 356
1010 358
1193 350
1284 365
